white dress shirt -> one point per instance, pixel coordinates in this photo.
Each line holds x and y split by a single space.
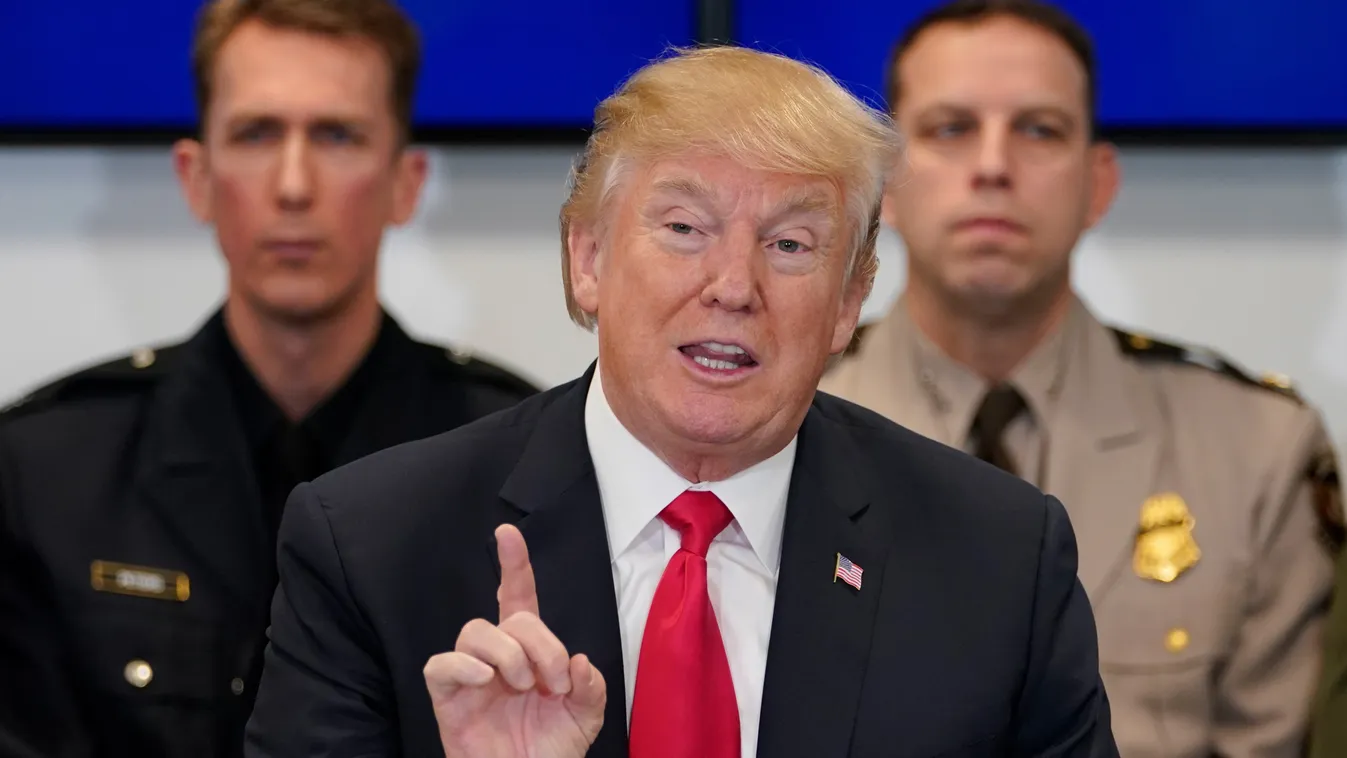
634 486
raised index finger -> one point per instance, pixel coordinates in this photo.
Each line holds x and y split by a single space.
517 590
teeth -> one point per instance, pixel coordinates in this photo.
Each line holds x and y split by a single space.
712 363
716 347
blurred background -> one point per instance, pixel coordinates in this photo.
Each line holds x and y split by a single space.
1231 228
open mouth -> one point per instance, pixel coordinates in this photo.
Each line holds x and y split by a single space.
719 357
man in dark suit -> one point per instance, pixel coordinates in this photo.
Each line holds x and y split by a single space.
687 551
139 500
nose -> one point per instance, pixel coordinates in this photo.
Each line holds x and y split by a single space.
992 170
734 269
294 183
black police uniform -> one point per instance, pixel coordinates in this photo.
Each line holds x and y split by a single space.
139 502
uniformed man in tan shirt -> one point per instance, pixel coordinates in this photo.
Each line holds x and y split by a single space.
1191 485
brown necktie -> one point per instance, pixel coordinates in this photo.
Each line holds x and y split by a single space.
1000 406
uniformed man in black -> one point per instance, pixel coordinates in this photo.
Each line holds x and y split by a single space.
139 499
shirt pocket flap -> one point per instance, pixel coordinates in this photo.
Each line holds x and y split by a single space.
152 655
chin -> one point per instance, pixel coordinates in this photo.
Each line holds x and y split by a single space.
296 304
994 280
709 420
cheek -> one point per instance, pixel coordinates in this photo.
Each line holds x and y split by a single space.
644 283
358 200
1061 204
920 193
807 316
239 207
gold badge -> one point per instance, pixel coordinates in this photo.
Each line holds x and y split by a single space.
140 581
1165 546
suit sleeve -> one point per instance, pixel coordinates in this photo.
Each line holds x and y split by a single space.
1063 709
1265 688
324 690
39 710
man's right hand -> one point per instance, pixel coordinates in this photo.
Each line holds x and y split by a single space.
511 690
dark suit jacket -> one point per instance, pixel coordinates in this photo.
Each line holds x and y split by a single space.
970 636
143 462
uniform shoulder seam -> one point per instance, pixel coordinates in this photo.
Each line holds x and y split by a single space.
140 366
464 364
1148 348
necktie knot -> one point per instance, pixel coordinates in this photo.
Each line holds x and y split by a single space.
1000 406
698 516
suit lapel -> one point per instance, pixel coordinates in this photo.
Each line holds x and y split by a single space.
821 628
553 498
1104 454
198 482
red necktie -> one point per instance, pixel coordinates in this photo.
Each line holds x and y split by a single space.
684 704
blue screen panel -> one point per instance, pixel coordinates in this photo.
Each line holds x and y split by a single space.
1198 64
100 64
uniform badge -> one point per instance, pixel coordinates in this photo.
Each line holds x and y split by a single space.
1165 546
140 581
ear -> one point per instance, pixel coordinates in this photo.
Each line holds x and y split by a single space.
849 315
189 163
1105 179
582 242
413 166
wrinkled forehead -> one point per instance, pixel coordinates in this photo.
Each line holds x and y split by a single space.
725 186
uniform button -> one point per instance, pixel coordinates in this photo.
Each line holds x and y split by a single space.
138 673
236 686
1277 380
142 357
1176 641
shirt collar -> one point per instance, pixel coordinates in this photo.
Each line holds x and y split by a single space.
329 423
958 391
635 484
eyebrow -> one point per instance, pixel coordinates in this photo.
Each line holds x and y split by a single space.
800 202
804 202
246 118
1036 109
683 185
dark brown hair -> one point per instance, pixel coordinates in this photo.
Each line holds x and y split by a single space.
379 21
1049 18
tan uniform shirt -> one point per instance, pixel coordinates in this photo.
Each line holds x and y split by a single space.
1189 491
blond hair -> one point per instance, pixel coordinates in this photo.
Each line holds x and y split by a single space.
379 21
762 110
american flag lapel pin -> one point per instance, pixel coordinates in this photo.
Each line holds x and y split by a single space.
847 571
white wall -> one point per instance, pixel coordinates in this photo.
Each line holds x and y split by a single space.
1242 251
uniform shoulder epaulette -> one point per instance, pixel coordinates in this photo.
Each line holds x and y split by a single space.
1147 348
141 365
465 364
